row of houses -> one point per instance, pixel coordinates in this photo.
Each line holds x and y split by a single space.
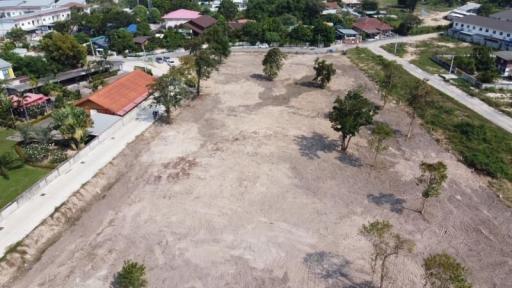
494 31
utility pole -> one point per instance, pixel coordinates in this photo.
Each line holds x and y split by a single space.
396 43
451 65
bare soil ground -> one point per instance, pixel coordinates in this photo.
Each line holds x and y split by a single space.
435 18
247 189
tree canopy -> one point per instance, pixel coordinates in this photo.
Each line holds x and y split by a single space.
323 72
444 271
349 114
72 122
63 50
273 62
132 275
228 9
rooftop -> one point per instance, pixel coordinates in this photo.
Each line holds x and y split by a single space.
122 95
491 23
507 55
371 25
4 64
6 4
38 13
201 23
181 14
505 15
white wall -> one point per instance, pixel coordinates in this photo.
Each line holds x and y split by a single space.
174 23
502 35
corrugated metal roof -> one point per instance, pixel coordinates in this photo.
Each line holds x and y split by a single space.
487 22
4 64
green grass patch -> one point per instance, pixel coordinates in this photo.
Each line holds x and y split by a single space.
426 49
481 145
401 48
19 179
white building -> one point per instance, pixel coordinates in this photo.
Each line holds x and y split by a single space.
486 31
35 20
214 5
14 8
469 8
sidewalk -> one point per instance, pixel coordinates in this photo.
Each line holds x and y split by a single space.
31 213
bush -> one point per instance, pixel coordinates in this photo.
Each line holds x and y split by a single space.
132 275
36 152
57 156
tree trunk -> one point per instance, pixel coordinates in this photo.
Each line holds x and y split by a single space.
383 270
423 206
345 141
168 112
198 88
411 124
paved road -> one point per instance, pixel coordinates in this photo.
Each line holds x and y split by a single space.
435 81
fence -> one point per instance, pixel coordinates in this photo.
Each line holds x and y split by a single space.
66 166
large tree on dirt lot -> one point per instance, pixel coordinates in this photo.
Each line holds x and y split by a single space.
64 50
381 132
273 62
323 72
433 176
72 122
132 275
218 40
205 63
444 271
385 244
228 9
349 114
417 100
169 91
9 161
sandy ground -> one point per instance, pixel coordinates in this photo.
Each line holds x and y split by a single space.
246 189
435 18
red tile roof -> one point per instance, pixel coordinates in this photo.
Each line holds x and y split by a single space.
371 25
122 95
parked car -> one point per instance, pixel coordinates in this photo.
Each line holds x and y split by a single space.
159 60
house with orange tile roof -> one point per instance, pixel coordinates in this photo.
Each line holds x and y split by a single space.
121 96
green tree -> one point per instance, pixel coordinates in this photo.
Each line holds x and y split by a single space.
484 64
273 62
173 39
121 41
433 176
141 13
486 9
6 116
417 100
323 72
218 40
132 275
17 35
72 122
408 23
444 271
349 114
205 63
9 161
301 34
323 33
409 4
154 15
169 91
64 50
380 134
228 9
385 244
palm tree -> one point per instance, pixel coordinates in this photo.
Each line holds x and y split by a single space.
72 122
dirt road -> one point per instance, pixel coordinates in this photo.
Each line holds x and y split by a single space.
246 189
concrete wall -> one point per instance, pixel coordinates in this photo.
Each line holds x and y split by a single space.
64 167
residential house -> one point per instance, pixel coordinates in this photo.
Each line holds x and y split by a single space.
491 32
6 71
331 8
504 63
348 36
14 8
178 17
372 28
38 20
121 96
214 5
354 4
200 24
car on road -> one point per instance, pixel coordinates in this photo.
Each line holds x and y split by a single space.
159 60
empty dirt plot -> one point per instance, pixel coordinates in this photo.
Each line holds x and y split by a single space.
247 189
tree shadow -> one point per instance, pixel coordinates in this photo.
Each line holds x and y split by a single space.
308 84
396 204
350 160
310 146
334 269
259 77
